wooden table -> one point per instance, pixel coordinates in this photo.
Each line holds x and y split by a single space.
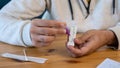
57 56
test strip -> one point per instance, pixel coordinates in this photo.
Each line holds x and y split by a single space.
22 58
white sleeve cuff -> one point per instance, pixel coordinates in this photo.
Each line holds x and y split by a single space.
116 30
25 36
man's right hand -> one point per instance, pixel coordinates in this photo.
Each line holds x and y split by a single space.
43 32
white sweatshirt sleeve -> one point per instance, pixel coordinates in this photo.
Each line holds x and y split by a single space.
116 30
15 20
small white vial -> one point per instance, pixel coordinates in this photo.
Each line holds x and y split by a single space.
72 33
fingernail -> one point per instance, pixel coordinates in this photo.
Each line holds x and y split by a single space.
64 31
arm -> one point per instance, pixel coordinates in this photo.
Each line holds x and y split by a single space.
15 20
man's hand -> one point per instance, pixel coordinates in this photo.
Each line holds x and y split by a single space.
91 41
43 32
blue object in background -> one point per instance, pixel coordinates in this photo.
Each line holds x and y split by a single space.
3 2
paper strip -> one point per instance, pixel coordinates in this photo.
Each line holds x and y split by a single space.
108 63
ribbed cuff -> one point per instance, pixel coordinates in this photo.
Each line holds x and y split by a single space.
26 39
116 31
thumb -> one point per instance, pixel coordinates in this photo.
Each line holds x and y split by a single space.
83 38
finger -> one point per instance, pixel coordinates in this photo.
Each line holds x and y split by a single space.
85 49
77 41
43 38
40 44
48 23
84 37
88 47
74 51
47 31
